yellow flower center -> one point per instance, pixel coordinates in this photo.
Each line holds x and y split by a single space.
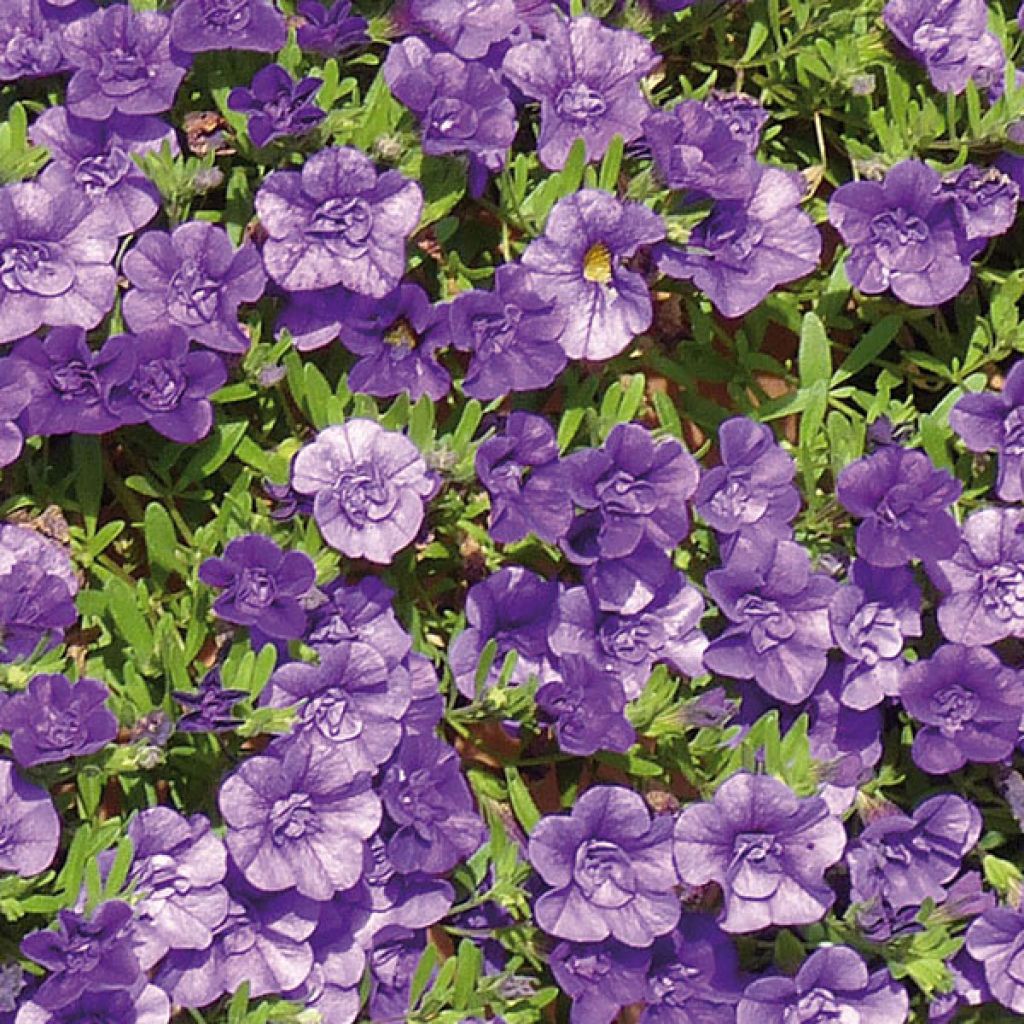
597 264
402 336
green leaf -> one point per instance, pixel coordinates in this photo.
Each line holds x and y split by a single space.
161 540
88 461
815 352
523 806
608 178
421 977
124 604
212 453
869 348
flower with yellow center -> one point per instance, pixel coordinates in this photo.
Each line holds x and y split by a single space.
597 264
402 335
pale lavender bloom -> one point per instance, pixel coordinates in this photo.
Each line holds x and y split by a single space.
140 1004
985 200
28 824
467 29
599 977
996 940
199 25
15 395
29 42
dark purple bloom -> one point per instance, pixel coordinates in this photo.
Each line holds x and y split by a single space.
199 25
277 105
86 954
397 339
753 487
29 826
338 222
970 706
294 822
468 30
263 585
996 940
599 977
350 706
141 1004
170 386
525 480
903 500
747 248
779 609
905 860
55 261
29 42
124 63
94 158
195 279
463 107
984 579
368 486
330 30
833 983
579 264
666 631
209 708
587 78
995 422
513 607
904 235
51 719
315 318
393 957
766 847
610 870
71 383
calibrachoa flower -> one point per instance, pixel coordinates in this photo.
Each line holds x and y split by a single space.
587 78
209 708
277 105
170 386
294 821
28 824
330 30
195 279
832 983
766 847
609 869
53 719
903 500
780 613
124 63
338 222
746 248
262 585
744 115
29 42
985 200
368 486
599 977
468 30
142 1004
970 706
15 395
199 25
578 264
995 422
360 613
996 940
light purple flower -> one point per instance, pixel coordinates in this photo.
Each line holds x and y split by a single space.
199 25
141 1004
996 940
29 42
599 977
28 823
331 30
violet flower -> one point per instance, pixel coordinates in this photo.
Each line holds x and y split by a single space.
29 42
277 105
15 396
28 823
996 940
744 115
985 200
599 977
359 613
330 30
209 709
141 1004
199 25
468 30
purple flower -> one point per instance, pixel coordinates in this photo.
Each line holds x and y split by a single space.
170 386
468 30
587 705
995 422
779 609
903 500
397 339
142 1004
985 200
463 107
513 334
15 396
277 105
599 977
86 954
697 152
360 613
513 607
393 957
195 279
51 719
427 798
609 868
905 860
29 825
71 383
578 264
94 159
753 487
338 222
199 25
746 248
209 709
744 115
331 30
29 42
350 706
294 822
666 631
587 78
262 585
832 983
123 63
903 234
766 847
55 262
633 489
970 705
368 486
996 940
